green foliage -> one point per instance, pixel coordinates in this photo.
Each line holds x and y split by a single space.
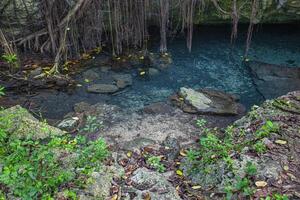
260 147
155 162
266 129
10 58
201 123
242 185
33 169
92 125
2 91
276 197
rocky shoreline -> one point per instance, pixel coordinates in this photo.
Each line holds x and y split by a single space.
166 132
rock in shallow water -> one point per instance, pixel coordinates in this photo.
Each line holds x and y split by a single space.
102 88
122 80
274 80
206 101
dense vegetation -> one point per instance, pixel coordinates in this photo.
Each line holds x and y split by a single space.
38 169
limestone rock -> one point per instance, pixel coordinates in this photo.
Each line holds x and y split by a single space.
206 101
69 124
91 75
21 124
155 183
102 88
122 80
153 71
274 80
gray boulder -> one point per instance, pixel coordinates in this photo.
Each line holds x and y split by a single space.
156 184
18 122
102 88
274 80
206 101
69 124
122 80
91 75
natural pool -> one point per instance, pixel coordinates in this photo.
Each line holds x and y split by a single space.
213 63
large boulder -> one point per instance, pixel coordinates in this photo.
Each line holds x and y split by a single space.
274 80
206 101
102 88
18 122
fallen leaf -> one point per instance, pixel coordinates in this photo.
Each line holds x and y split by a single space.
286 168
147 196
142 73
196 187
179 172
261 184
282 142
114 197
86 80
129 154
182 152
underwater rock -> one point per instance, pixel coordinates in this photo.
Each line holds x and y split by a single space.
274 80
122 80
102 88
81 107
159 107
153 71
157 185
207 101
91 75
21 124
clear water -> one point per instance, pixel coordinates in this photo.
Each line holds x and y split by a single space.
213 63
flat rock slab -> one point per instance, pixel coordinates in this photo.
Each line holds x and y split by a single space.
102 88
274 80
207 102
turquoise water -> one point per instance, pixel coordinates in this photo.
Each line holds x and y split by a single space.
213 63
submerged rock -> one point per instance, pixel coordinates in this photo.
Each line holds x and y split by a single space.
102 88
122 80
206 101
18 122
274 80
91 75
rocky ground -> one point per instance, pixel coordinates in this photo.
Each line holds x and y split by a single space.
149 157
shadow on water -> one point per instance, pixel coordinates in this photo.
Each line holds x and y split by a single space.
213 63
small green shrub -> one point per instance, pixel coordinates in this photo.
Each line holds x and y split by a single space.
10 58
2 93
33 169
155 162
266 129
260 147
92 125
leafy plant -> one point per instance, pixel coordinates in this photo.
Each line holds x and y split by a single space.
92 124
10 58
266 129
2 91
201 123
155 162
33 169
260 147
242 185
